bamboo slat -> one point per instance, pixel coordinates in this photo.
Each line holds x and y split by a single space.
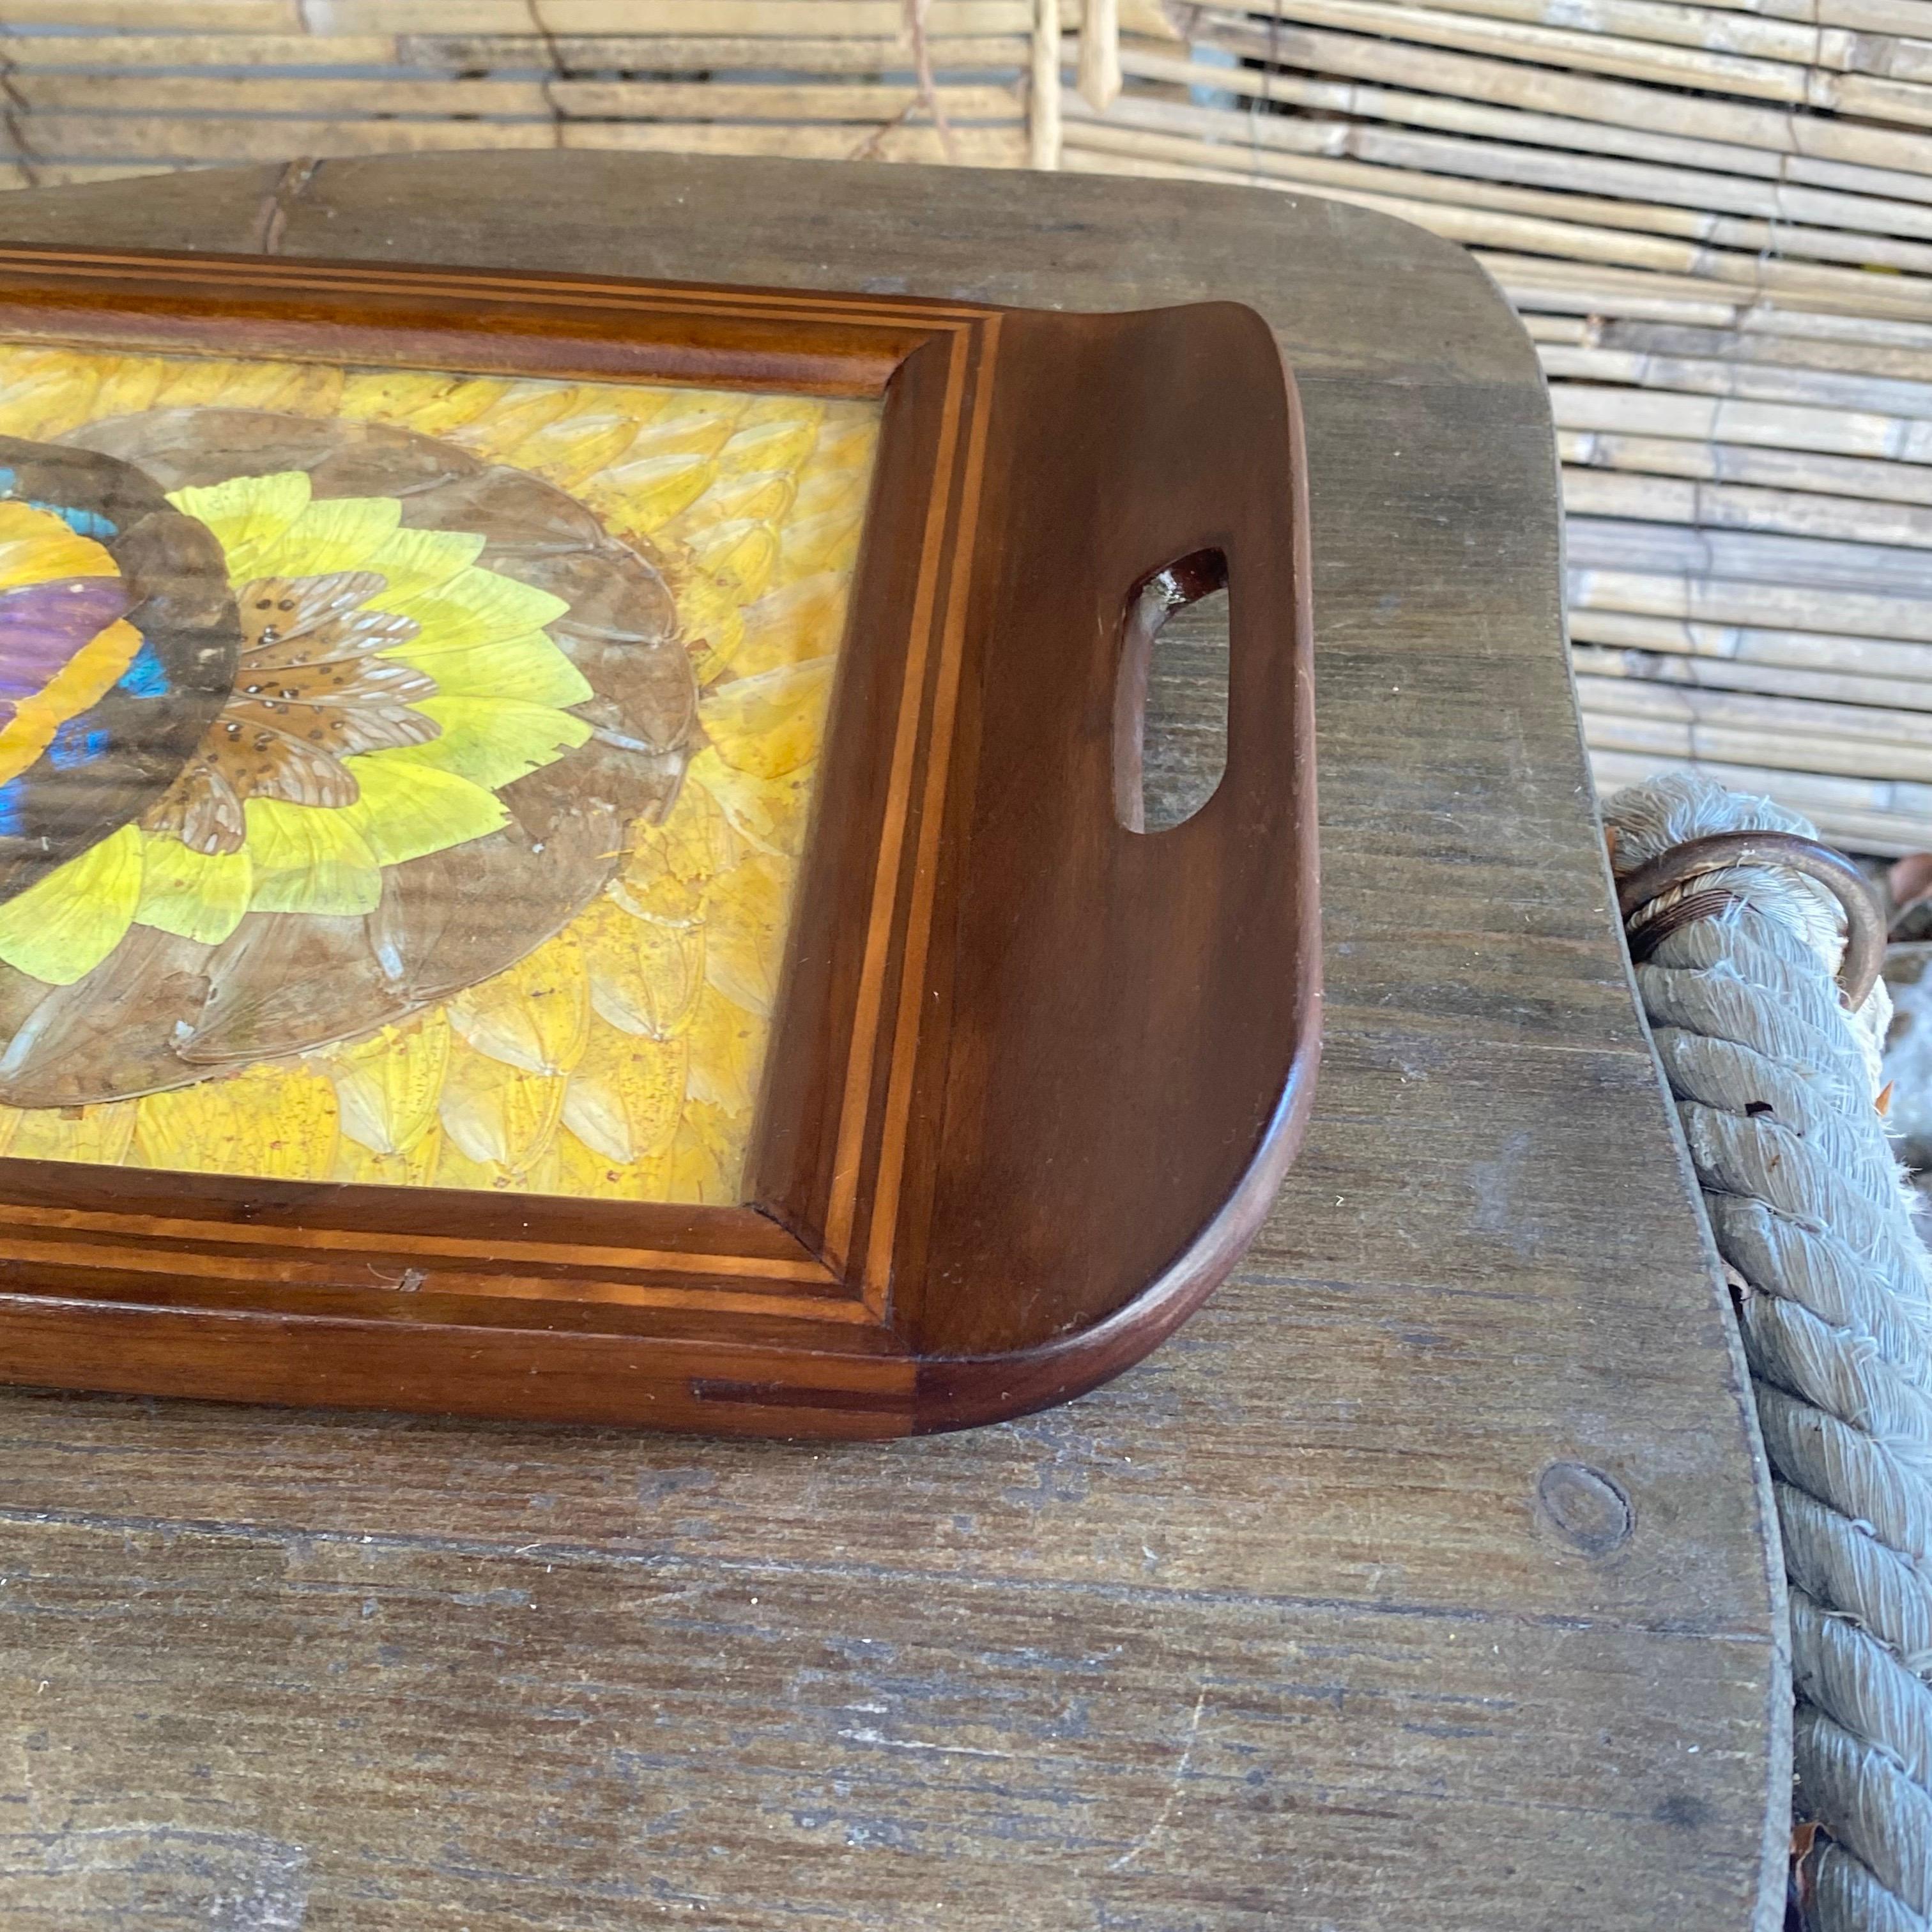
1878 627
880 19
1043 124
1733 213
1650 498
1804 721
1767 749
1757 343
1744 379
1827 687
1436 66
1873 484
1534 147
645 101
1796 563
1731 419
1469 214
118 53
708 52
971 147
41 92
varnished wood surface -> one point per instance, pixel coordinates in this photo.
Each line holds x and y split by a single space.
1420 1581
1013 1184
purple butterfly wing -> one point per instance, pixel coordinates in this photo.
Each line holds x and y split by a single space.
42 625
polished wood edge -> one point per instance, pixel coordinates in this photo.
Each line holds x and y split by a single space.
563 286
558 325
875 1266
693 1383
965 1392
827 1391
871 1126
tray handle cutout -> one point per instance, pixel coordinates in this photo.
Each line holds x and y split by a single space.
1171 693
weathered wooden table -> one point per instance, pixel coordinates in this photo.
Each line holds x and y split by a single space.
1422 1581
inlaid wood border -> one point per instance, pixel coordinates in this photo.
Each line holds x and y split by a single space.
535 1247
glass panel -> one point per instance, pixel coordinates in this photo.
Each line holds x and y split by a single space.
402 774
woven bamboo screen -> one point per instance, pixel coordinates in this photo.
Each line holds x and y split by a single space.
1716 220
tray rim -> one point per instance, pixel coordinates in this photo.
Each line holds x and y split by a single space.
650 1254
755 1321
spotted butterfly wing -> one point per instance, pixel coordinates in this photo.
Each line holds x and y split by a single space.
310 690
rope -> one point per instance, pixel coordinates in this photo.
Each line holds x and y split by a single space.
1775 1083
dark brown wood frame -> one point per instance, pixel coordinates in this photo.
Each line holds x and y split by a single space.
1034 1076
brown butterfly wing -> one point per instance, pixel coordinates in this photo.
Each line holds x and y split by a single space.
291 621
311 690
202 810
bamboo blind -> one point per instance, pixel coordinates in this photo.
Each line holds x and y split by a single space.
1715 220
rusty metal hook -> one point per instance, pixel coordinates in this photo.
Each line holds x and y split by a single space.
1865 922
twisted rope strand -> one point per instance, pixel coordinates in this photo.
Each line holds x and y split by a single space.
1775 1083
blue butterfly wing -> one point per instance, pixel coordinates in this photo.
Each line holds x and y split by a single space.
42 625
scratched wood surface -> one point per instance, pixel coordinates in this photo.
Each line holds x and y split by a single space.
1421 1581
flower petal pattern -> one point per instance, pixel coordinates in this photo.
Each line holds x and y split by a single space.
621 1057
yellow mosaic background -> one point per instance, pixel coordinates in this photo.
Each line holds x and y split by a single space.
752 506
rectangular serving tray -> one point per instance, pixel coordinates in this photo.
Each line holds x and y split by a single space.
1031 1075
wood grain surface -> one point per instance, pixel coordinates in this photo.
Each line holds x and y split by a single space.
1421 1581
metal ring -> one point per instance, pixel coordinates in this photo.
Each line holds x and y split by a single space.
1864 922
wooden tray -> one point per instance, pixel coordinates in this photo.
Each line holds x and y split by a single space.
568 848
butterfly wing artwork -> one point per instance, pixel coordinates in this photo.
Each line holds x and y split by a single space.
42 625
507 694
310 690
377 885
118 644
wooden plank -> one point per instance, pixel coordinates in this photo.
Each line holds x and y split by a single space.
1266 1543
981 1738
